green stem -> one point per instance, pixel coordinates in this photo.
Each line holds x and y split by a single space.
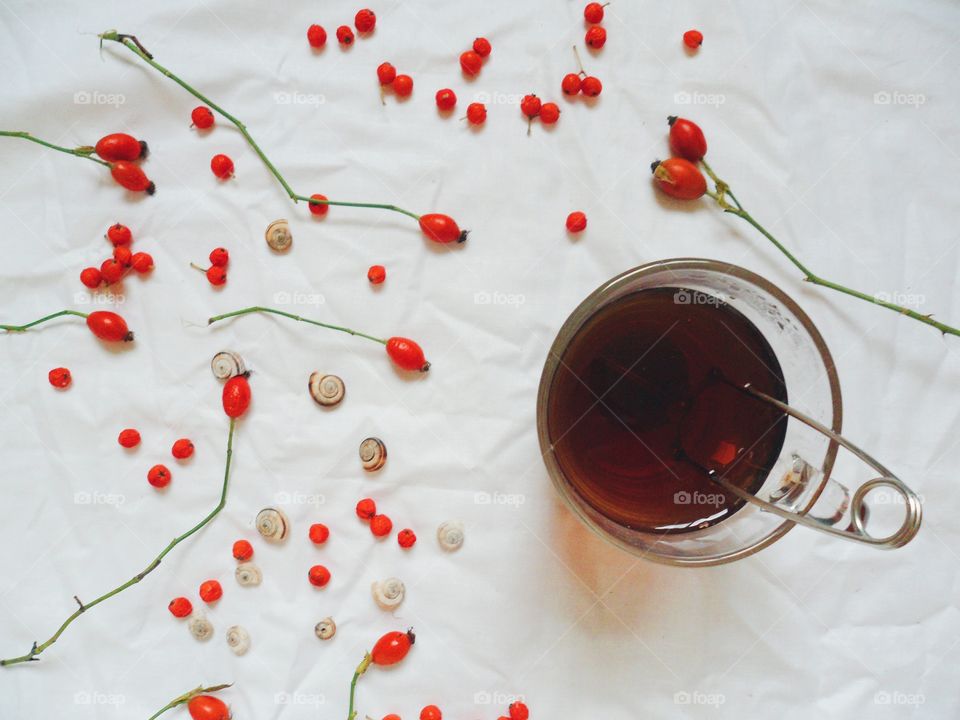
361 669
187 697
22 328
84 152
258 309
130 42
37 649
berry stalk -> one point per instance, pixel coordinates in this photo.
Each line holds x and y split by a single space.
187 697
82 152
37 649
258 309
361 669
24 328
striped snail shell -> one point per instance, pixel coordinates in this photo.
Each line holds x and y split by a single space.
200 627
373 454
388 593
227 364
278 235
238 639
248 574
450 535
326 628
272 524
326 390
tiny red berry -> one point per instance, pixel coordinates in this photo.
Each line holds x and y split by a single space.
431 712
182 449
112 271
120 146
122 255
476 113
693 39
593 12
180 607
219 257
345 35
687 139
576 222
446 99
391 716
321 208
376 274
518 711
442 228
386 73
91 277
316 36
406 538
403 85
318 576
216 275
549 113
407 355
392 647
159 476
381 525
59 377
242 550
319 533
109 326
365 20
570 84
591 86
530 106
142 262
202 117
679 178
596 37
222 166
366 509
210 591
129 438
119 234
236 396
471 62
130 176
481 46
208 707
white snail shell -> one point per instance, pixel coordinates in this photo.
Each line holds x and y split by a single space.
227 364
278 235
200 627
238 639
272 524
326 390
326 628
373 454
388 593
450 535
248 574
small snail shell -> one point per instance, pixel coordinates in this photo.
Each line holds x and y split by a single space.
450 535
272 524
238 639
327 390
227 364
248 574
278 235
373 454
200 627
326 628
388 593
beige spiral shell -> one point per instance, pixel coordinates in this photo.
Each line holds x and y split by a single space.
272 524
326 628
326 390
238 639
450 535
388 593
248 574
227 364
278 236
200 627
373 454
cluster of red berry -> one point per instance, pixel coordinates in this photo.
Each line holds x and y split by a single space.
517 711
114 268
596 36
159 476
217 272
202 118
365 20
471 61
121 152
532 108
402 85
381 525
678 176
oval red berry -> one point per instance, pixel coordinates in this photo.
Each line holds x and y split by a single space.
182 449
202 117
318 576
316 36
180 607
210 591
366 509
376 274
242 550
693 39
576 222
319 533
222 166
59 377
129 438
365 20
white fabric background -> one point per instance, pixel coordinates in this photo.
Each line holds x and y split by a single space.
534 604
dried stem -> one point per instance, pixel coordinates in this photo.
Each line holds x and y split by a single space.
23 328
85 152
258 309
361 669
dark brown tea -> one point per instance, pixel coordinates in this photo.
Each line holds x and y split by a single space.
646 401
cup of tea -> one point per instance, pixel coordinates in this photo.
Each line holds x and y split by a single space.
690 412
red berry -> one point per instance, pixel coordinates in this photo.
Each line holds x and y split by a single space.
159 476
570 84
403 85
679 178
446 99
687 139
381 525
593 12
596 37
219 257
111 271
142 262
129 438
518 711
120 146
119 234
202 117
319 209
242 550
476 113
391 716
316 36
386 73
319 533
366 509
365 20
481 46
318 576
59 377
392 647
207 707
180 607
222 166
530 106
109 326
576 222
122 255
693 39
471 62
210 591
431 712
377 274
442 228
591 86
407 354
91 277
182 449
236 396
130 176
216 275
549 113
345 35
406 538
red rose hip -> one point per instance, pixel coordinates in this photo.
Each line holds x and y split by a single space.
59 377
392 647
318 576
442 228
182 449
180 607
130 176
576 222
222 166
208 707
319 533
407 355
159 476
109 326
210 591
687 139
119 234
365 20
471 62
120 146
91 277
236 396
129 438
202 117
316 36
242 550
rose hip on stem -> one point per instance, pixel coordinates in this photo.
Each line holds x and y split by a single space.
442 228
202 118
236 396
679 178
120 146
316 36
216 274
59 377
106 325
130 176
208 707
686 139
390 649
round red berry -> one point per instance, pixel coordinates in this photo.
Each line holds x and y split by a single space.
159 476
365 20
345 35
129 438
366 509
403 85
381 525
321 208
318 576
219 257
596 37
242 550
570 84
471 62
222 166
593 12
319 533
446 99
180 607
386 73
216 275
202 117
431 712
122 255
476 113
518 711
693 39
316 36
210 591
142 262
530 106
481 46
91 277
591 86
576 222
406 538
119 234
376 274
549 113
182 449
112 271
391 716
59 377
